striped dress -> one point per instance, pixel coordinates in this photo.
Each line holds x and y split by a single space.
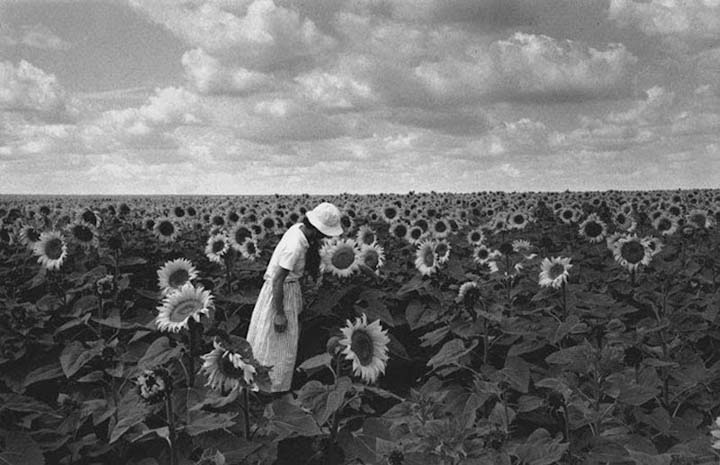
271 348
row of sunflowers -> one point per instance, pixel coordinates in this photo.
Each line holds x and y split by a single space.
444 328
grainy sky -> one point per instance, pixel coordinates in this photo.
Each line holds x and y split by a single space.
326 96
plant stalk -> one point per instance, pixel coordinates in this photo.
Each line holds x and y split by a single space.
171 428
246 408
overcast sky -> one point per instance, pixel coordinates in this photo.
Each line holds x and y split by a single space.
327 96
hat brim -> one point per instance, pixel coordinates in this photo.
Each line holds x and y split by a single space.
327 230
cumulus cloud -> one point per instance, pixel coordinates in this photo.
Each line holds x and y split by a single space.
257 34
209 76
691 18
37 36
27 89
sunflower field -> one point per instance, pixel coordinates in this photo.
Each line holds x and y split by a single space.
484 328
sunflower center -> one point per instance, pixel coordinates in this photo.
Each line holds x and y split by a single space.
82 233
440 227
441 249
372 259
593 229
400 231
89 217
228 369
475 236
518 219
179 212
664 224
184 309
567 214
482 254
33 235
241 234
390 213
556 271
362 344
178 277
166 228
53 248
633 252
505 248
268 223
250 247
218 246
149 224
428 257
698 219
416 233
343 257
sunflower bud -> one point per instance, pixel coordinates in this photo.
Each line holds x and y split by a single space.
333 346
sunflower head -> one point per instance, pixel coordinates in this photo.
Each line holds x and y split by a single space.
339 257
154 385
366 345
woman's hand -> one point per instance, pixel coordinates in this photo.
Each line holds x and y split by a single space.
280 322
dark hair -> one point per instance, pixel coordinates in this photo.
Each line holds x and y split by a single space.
312 256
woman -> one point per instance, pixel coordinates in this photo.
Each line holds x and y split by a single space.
274 331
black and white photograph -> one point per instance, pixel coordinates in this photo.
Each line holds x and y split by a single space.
359 232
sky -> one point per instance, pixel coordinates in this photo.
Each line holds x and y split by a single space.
360 96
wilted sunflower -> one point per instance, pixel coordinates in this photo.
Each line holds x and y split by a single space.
593 229
29 236
630 252
655 244
554 272
165 230
339 257
366 235
84 234
366 345
468 294
154 385
216 248
372 256
228 370
442 251
51 250
91 217
174 274
250 249
178 307
665 224
426 260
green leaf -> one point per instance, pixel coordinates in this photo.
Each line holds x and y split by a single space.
450 353
287 419
44 373
85 304
202 422
131 412
74 356
317 361
21 449
517 374
158 353
540 449
335 399
371 303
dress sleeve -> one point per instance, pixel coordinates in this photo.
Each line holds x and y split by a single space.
290 253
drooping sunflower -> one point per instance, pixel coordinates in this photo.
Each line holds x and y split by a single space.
339 257
468 293
655 244
51 250
554 272
699 218
366 235
165 230
250 249
631 252
174 274
593 229
154 385
366 345
442 251
521 245
624 221
372 256
91 217
426 260
29 236
665 224
216 247
228 370
238 234
84 234
178 307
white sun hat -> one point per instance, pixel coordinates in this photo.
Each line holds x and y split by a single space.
326 218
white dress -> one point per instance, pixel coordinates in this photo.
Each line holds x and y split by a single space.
271 348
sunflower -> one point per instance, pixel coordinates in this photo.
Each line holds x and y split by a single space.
165 230
178 307
521 245
91 217
372 256
440 228
715 432
83 234
631 252
228 370
665 224
399 230
415 234
655 244
484 254
29 236
624 221
554 272
174 274
426 260
390 213
238 234
475 237
216 248
366 235
593 229
339 257
154 385
250 249
468 293
568 215
442 251
699 218
517 220
51 250
366 345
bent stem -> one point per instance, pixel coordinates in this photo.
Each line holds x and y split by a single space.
246 411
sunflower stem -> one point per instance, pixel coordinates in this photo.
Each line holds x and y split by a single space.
632 278
564 300
336 414
171 427
486 342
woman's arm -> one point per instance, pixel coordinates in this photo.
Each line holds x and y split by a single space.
278 299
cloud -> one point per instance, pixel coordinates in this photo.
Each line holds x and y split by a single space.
209 76
257 34
699 19
29 90
36 36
